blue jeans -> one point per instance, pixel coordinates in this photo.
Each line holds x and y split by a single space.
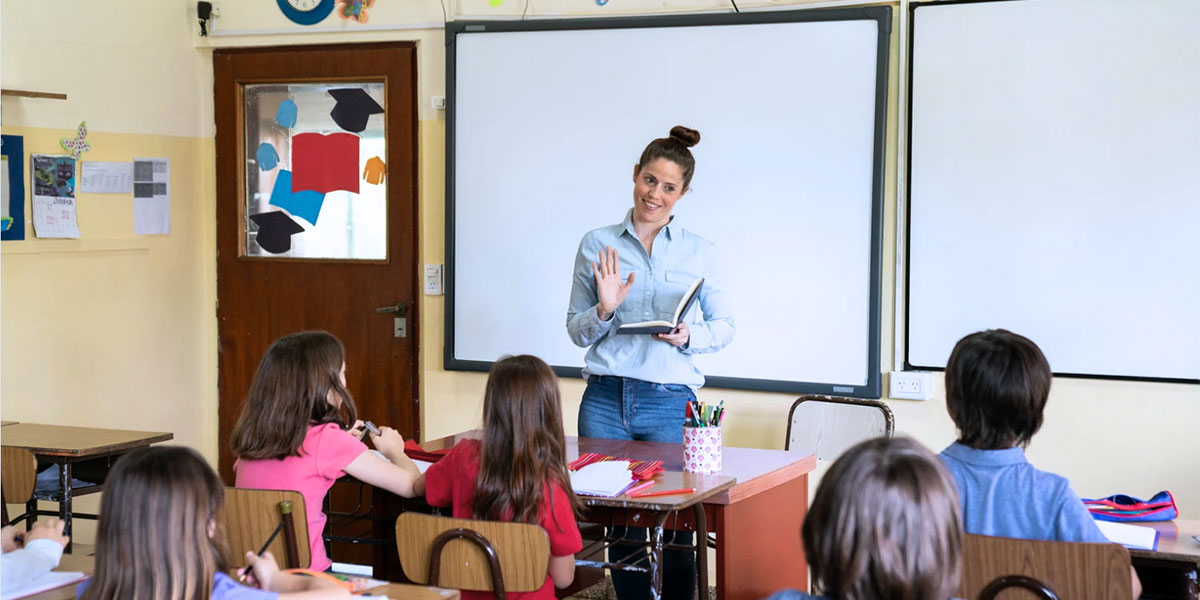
621 408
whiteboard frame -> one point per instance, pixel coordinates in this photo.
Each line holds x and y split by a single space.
881 14
907 201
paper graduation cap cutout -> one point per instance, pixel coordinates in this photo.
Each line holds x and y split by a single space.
275 230
353 108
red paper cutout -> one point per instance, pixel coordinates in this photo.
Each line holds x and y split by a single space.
325 163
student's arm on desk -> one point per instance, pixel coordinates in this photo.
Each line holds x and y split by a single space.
266 574
396 476
562 570
419 485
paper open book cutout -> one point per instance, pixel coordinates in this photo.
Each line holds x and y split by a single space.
649 327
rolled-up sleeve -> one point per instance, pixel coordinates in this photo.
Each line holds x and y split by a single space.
583 322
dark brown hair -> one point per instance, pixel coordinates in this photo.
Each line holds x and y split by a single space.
674 148
152 539
291 391
885 525
523 449
997 383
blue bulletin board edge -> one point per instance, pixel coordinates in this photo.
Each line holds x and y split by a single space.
873 388
13 146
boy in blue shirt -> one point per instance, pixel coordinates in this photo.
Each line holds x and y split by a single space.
997 383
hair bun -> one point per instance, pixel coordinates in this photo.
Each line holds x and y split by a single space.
683 135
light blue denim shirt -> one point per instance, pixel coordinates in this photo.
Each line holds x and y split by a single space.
680 257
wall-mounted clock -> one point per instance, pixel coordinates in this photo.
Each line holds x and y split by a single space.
305 12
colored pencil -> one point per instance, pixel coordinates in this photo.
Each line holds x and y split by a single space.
663 493
639 487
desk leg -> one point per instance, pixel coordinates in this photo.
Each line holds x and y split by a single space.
701 552
64 497
656 555
759 550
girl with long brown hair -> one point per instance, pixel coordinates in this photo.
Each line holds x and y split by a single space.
299 430
158 539
518 470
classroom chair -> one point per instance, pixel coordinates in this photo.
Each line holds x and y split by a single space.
829 425
1055 569
251 517
18 477
467 554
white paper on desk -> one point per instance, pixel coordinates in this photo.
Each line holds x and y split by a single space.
151 196
48 581
421 464
106 177
1130 536
605 478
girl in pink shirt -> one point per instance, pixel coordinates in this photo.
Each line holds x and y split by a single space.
299 431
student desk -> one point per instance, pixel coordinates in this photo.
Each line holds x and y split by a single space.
1173 569
66 446
756 516
396 591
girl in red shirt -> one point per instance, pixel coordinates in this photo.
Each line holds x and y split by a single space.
518 470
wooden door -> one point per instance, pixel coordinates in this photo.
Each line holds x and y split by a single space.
359 256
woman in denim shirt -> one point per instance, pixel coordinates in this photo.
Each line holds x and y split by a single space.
639 385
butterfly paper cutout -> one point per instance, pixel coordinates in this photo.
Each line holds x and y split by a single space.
355 9
76 146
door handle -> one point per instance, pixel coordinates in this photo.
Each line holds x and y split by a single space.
400 309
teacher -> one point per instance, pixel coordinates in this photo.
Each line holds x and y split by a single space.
638 386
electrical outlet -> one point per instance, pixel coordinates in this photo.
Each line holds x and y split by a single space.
911 385
433 280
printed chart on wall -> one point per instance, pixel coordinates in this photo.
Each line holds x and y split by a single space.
54 196
151 196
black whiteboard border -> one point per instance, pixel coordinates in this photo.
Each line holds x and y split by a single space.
882 15
908 366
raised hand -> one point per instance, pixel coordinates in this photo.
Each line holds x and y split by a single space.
610 290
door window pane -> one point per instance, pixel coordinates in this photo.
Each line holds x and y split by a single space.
305 134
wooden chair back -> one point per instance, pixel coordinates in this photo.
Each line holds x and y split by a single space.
18 477
460 558
828 425
1065 570
250 517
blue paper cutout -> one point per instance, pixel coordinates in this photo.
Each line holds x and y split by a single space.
13 146
267 156
306 204
285 115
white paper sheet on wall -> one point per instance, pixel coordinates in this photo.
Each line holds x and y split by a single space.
106 177
53 184
151 196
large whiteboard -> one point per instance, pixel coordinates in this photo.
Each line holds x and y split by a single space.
547 120
1055 182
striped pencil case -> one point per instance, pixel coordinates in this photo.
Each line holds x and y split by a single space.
1127 509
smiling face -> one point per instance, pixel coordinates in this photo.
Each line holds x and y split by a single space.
656 188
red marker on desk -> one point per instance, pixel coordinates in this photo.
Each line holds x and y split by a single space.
663 493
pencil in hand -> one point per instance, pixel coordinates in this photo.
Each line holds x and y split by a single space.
246 571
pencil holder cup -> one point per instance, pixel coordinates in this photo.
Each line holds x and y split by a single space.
702 450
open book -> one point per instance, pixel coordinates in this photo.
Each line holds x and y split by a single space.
649 327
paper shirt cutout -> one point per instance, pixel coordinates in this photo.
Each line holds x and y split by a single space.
285 115
6 223
325 163
306 205
375 171
275 230
76 146
354 106
354 9
267 157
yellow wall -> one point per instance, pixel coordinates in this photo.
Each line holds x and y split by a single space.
119 331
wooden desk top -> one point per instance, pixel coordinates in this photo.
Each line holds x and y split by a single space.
395 591
61 440
1175 542
752 470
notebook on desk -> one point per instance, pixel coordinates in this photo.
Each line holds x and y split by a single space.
47 581
1130 536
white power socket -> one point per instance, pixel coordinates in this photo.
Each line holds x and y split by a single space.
433 280
911 385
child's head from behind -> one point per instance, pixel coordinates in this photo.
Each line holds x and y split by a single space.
299 382
154 538
884 524
523 446
997 383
